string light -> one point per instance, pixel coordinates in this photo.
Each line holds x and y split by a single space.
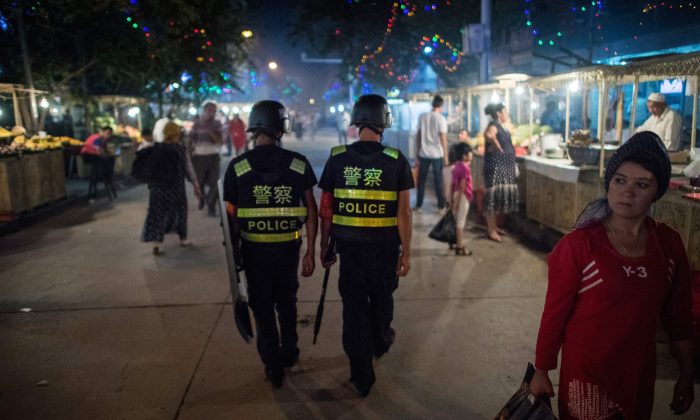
426 45
581 7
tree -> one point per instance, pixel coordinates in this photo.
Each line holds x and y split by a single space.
129 47
383 42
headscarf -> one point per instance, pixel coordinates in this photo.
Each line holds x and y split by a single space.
645 142
648 143
171 133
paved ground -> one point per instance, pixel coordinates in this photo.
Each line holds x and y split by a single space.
92 325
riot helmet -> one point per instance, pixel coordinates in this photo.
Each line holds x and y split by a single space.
270 117
371 110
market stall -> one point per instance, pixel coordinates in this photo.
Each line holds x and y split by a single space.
561 165
31 173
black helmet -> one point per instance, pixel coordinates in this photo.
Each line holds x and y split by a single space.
269 116
371 110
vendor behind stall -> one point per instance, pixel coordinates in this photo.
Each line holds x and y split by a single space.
663 121
95 153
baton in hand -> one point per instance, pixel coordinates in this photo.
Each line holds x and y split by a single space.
319 310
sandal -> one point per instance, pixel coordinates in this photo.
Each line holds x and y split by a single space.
462 251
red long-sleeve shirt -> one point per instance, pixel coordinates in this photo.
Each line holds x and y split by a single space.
601 311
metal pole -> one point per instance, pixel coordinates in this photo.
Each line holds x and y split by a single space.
532 111
618 115
507 95
633 111
15 105
693 131
567 118
485 62
469 112
601 122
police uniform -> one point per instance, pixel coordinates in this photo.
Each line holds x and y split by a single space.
365 179
267 186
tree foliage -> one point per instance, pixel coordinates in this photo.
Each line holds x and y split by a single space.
123 46
353 28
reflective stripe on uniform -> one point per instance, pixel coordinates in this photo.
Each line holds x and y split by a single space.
364 221
298 165
338 150
272 212
365 194
271 237
242 167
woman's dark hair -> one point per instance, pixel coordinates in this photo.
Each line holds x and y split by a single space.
461 149
493 109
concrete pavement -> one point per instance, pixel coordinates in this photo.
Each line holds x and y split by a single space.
92 325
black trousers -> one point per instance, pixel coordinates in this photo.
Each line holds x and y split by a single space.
366 284
271 272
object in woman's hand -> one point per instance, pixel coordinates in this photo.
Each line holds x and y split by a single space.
523 405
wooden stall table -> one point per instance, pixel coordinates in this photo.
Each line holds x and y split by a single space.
30 181
558 191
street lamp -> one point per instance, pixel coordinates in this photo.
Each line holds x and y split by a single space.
44 103
192 110
247 33
133 111
272 65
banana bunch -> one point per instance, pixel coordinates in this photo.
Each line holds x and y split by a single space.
36 143
69 141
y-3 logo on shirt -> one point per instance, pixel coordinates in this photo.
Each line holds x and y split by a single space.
640 272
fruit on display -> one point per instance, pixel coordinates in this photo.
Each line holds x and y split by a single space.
5 133
580 138
20 144
69 141
521 133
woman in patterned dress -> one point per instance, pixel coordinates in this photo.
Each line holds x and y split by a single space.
501 195
610 280
167 203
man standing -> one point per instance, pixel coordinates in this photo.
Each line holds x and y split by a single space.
269 194
236 131
663 122
342 122
431 143
365 207
205 146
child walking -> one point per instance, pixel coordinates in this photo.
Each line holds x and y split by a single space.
461 193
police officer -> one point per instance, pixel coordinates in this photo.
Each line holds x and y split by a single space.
269 197
365 208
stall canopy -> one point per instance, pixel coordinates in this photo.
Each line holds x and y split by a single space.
24 113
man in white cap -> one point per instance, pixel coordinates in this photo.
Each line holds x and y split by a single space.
663 121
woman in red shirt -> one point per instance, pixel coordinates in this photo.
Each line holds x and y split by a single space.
609 281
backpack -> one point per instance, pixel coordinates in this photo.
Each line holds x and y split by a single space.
140 168
156 165
163 166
